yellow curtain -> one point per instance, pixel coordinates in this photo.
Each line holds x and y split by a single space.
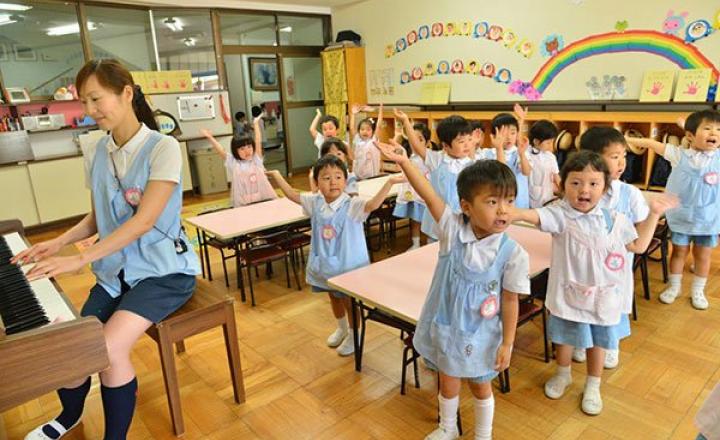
334 81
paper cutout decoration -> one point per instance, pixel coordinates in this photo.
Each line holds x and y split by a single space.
481 30
674 22
692 85
657 86
424 32
621 26
526 48
435 93
551 45
443 67
698 30
169 81
716 25
457 66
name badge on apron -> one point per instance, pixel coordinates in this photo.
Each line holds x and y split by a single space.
615 261
328 232
711 178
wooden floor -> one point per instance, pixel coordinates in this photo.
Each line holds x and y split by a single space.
297 388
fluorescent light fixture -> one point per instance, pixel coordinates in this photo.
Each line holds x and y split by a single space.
174 24
286 29
67 29
6 19
14 7
189 42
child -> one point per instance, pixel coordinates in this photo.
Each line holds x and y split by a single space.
545 175
444 166
408 203
338 235
245 165
329 127
694 178
241 125
467 325
366 163
621 197
337 148
586 292
478 135
505 128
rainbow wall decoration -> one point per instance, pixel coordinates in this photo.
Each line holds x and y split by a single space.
670 47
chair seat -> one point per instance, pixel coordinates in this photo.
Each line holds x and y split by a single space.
263 254
218 243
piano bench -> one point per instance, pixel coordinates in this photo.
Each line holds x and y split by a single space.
204 311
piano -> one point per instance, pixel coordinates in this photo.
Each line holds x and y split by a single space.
44 343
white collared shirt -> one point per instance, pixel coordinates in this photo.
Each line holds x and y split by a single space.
356 211
492 154
165 158
479 254
639 209
553 219
433 160
697 159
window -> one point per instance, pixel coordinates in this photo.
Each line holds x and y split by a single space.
301 31
247 29
40 46
185 42
123 34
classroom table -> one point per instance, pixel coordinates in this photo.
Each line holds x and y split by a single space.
369 187
399 285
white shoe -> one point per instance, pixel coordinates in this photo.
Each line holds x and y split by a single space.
336 337
579 355
698 300
612 358
347 347
414 246
441 434
592 403
668 296
38 434
556 386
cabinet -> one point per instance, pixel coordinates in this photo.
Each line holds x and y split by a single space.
59 188
17 199
343 81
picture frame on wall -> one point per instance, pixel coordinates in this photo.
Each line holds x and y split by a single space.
24 53
263 73
4 53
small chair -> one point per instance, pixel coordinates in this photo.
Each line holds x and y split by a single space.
205 310
299 238
205 241
529 308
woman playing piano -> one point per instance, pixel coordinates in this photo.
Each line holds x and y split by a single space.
142 262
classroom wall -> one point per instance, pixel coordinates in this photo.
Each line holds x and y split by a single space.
381 25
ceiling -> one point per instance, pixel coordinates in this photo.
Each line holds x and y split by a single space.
307 6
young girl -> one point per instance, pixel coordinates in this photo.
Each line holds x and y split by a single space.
338 236
408 203
337 148
144 266
467 325
445 165
694 178
586 294
366 158
544 178
245 165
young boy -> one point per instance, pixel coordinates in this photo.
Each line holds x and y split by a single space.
621 197
329 127
505 134
694 178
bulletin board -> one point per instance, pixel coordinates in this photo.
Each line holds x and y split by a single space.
554 50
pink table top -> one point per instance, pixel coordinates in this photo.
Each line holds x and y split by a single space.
231 223
399 285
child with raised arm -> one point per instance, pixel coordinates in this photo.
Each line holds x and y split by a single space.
467 325
329 126
338 236
444 166
695 179
544 178
587 292
245 166
366 158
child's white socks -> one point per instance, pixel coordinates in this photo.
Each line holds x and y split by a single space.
337 337
415 242
697 293
556 386
448 413
592 401
668 296
484 412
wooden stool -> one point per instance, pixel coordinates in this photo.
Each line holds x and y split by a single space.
204 311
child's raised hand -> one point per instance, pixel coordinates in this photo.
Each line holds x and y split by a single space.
523 144
680 122
205 132
502 360
400 115
356 108
498 138
662 202
520 112
318 112
389 151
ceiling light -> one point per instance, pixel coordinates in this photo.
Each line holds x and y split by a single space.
286 29
189 42
173 24
14 7
67 29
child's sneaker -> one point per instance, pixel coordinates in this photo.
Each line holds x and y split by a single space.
556 386
698 300
612 358
413 247
668 296
347 347
592 403
441 434
579 355
336 337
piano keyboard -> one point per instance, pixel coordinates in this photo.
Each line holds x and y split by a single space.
26 305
